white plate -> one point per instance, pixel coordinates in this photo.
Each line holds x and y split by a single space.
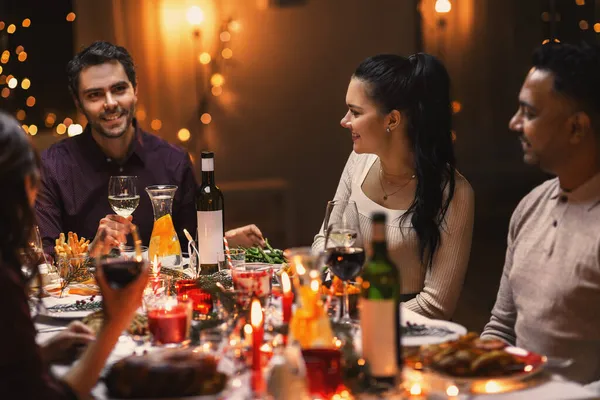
415 341
66 300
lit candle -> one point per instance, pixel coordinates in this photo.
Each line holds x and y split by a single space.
288 297
256 320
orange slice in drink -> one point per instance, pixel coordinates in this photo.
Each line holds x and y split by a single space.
164 240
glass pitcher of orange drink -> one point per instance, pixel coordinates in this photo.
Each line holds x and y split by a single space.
164 248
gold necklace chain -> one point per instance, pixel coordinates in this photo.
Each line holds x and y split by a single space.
386 195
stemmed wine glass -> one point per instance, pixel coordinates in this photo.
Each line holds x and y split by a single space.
122 194
344 254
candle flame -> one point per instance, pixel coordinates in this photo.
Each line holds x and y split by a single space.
452 390
314 285
415 389
493 387
266 348
300 268
256 314
285 282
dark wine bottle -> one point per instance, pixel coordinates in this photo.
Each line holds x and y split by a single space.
210 210
380 310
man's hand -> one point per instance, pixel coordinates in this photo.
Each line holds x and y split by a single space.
111 233
246 236
65 346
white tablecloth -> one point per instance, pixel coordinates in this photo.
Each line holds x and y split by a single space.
553 388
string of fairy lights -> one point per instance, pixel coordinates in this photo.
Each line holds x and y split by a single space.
215 64
212 65
11 83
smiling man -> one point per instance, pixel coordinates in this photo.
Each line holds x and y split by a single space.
549 296
76 171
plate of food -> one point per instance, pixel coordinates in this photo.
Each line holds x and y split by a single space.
432 332
166 373
470 359
70 306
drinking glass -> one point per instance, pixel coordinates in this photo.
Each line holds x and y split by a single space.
122 194
253 279
157 287
344 254
122 268
238 256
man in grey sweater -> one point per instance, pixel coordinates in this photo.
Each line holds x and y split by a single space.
549 296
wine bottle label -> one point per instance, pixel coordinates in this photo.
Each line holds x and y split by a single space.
379 347
208 164
210 236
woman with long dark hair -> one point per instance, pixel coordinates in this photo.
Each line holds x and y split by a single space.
400 117
24 366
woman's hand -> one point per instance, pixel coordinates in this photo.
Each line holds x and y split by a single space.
66 346
246 236
120 305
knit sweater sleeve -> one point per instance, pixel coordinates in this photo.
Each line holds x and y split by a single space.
444 280
343 192
504 313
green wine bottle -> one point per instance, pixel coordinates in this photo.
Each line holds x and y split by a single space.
380 310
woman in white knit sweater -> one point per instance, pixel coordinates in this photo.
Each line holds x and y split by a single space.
399 115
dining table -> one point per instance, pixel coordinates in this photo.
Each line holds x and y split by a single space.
547 385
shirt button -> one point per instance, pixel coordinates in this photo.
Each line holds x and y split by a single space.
555 223
108 159
121 169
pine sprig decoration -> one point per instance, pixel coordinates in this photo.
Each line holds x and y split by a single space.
73 270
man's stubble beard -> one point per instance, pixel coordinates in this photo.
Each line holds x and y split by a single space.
98 127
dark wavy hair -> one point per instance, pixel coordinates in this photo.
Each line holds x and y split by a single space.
575 70
95 54
419 88
18 159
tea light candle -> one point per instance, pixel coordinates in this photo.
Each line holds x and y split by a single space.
256 320
288 297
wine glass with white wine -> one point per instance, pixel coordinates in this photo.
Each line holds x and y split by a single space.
123 196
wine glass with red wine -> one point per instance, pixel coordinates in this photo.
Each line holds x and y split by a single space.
344 253
122 268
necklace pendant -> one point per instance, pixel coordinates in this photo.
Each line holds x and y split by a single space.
384 197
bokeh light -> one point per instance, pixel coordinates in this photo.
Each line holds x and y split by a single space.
206 118
184 135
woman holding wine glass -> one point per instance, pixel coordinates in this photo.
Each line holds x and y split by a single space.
24 365
399 116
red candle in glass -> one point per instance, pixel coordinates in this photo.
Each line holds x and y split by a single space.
187 289
288 297
323 371
257 321
168 325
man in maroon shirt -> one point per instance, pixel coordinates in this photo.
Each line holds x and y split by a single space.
74 191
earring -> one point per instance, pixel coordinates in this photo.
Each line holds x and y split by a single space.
387 129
